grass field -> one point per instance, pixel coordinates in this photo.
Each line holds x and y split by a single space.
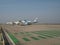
34 34
38 35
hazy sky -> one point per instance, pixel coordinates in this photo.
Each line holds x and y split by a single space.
48 11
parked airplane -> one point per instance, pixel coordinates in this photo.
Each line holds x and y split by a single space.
24 22
27 22
9 23
17 22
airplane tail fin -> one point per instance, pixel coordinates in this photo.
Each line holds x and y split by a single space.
35 20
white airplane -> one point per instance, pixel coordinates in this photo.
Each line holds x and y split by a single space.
17 22
27 22
9 23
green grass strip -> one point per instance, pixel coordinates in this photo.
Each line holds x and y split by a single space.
34 38
47 35
15 40
41 36
26 39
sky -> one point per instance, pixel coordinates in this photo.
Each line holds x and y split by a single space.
47 11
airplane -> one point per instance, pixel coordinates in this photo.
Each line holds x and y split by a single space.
17 22
27 22
9 23
24 22
13 23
